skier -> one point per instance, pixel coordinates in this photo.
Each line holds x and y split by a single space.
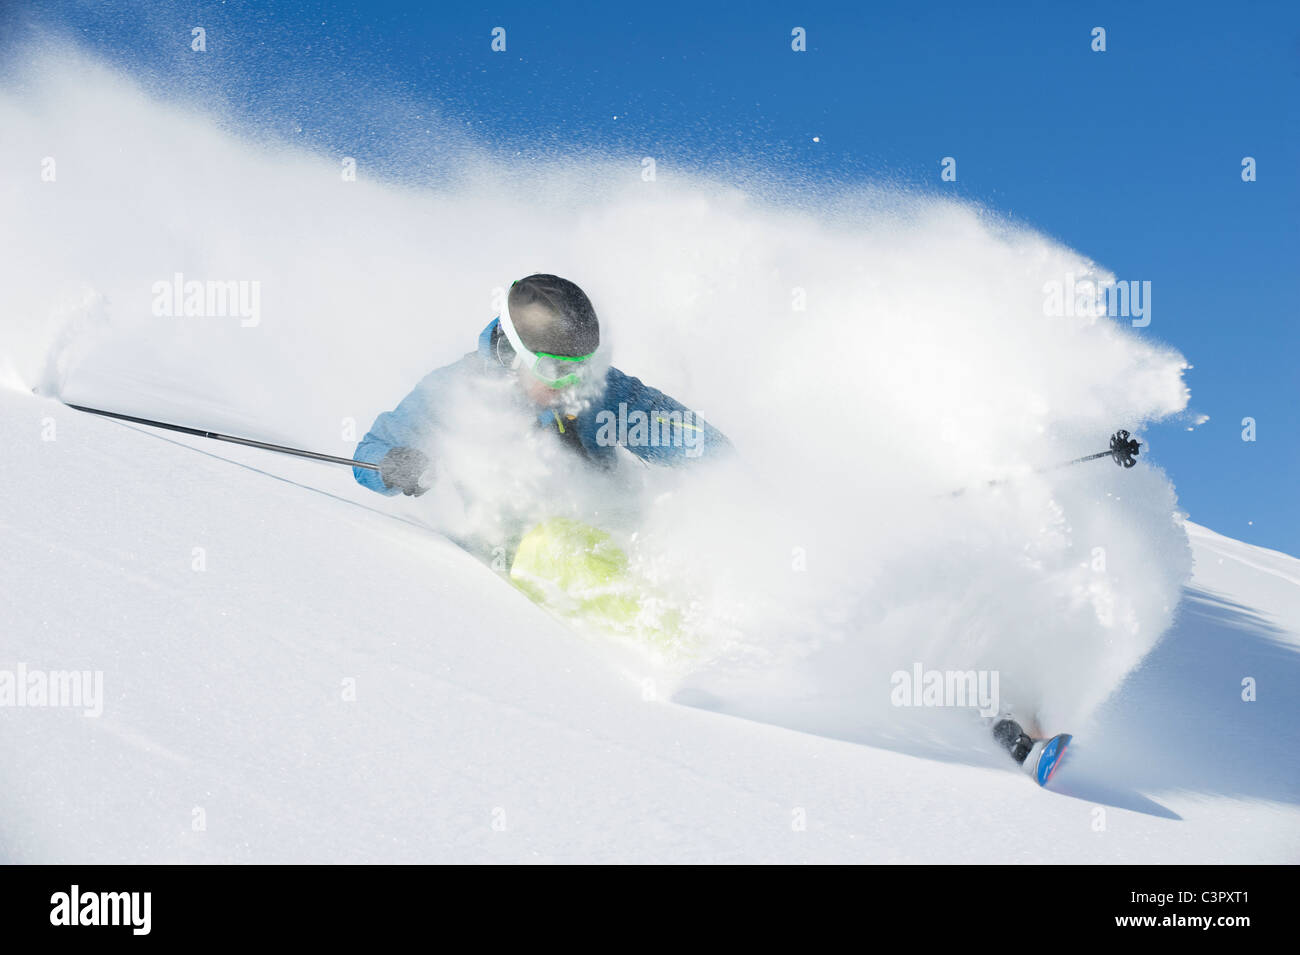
546 339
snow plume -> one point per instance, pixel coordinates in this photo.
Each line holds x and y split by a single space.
868 350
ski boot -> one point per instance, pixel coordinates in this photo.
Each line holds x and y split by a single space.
1037 757
1013 739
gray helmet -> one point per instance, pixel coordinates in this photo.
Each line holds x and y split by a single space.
554 316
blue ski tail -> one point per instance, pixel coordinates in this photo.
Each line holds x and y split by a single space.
1050 758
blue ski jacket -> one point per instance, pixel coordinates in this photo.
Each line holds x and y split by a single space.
626 413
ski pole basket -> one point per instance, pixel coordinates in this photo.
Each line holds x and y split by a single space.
1124 449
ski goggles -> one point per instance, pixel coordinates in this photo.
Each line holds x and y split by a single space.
555 371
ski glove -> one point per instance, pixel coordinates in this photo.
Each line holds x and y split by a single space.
408 470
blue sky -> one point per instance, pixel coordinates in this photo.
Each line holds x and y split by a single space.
1131 156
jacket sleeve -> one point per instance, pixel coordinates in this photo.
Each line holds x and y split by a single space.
410 425
658 429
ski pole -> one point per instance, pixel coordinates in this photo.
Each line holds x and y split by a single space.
248 442
1123 449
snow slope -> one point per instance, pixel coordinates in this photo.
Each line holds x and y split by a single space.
481 730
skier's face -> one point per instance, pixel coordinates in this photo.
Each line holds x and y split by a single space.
540 393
